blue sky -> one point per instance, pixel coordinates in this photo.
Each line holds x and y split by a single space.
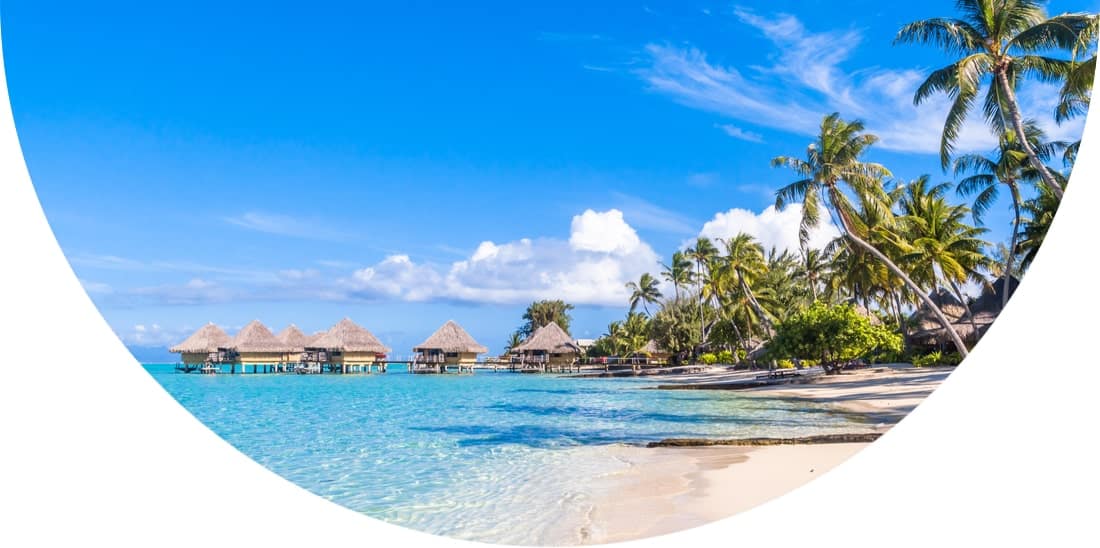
404 165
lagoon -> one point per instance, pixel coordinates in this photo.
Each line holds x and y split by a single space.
493 456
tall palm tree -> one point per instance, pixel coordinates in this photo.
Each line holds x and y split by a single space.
940 245
834 160
677 272
643 291
1039 213
1008 166
999 40
812 268
703 254
1076 90
744 263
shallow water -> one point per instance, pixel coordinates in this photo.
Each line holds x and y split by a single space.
495 457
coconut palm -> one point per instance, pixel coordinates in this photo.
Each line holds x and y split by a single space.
1038 214
514 340
744 262
1008 167
1077 88
812 269
643 291
703 254
940 245
832 161
677 272
999 40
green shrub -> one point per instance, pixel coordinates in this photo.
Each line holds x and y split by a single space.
832 334
725 356
951 358
934 358
784 364
708 358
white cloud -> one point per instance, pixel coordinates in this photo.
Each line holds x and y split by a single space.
770 227
805 80
738 133
284 225
152 335
602 253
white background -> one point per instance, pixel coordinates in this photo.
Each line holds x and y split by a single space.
92 450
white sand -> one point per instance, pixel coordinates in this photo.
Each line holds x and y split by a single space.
672 489
664 490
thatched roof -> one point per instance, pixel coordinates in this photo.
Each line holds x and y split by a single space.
993 295
256 337
926 320
209 338
549 338
652 347
294 338
347 336
451 338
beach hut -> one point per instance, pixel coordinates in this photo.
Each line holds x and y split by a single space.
929 334
653 353
296 342
257 346
449 345
548 348
346 347
201 348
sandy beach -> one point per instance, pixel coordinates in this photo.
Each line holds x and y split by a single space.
677 488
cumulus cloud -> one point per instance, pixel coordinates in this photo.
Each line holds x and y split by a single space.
592 266
771 227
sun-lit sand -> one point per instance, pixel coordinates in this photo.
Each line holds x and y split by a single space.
668 489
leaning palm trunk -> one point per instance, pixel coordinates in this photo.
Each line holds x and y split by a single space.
1012 246
769 329
966 306
1021 134
847 228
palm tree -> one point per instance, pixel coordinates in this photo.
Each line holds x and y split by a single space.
835 160
998 39
812 269
541 313
940 245
643 291
677 272
744 262
1039 213
514 340
1008 166
703 254
1077 88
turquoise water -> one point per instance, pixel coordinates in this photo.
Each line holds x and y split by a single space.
497 457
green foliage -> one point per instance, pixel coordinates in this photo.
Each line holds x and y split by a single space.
833 334
784 364
675 327
933 358
541 313
708 358
725 356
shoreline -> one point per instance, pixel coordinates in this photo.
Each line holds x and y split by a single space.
684 483
679 488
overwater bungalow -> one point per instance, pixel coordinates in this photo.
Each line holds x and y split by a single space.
547 349
296 342
257 346
346 347
201 349
450 345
